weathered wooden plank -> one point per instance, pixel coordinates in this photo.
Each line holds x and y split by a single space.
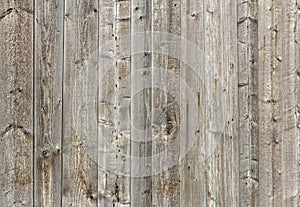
165 104
48 72
80 171
248 102
266 142
228 102
277 94
140 107
122 102
106 105
192 175
286 87
16 100
279 173
221 168
114 102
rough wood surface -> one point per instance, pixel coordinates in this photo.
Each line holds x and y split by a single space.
140 106
16 102
48 73
94 92
80 172
248 102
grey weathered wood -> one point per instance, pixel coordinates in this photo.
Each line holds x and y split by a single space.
165 104
285 109
80 170
16 100
192 183
69 113
265 104
48 72
220 141
122 102
278 113
106 98
140 107
248 102
114 101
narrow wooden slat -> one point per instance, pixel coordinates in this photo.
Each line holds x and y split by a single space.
221 137
16 100
277 94
79 104
288 86
228 102
48 101
297 87
192 174
140 108
165 104
122 102
266 101
106 99
248 102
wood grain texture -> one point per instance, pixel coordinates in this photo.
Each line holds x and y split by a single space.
140 107
192 182
48 81
248 101
90 101
16 100
165 104
79 179
278 134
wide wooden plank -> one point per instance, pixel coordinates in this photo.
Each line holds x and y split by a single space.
16 101
48 101
80 170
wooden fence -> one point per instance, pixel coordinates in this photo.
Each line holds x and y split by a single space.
149 103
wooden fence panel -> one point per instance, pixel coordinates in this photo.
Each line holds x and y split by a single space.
149 103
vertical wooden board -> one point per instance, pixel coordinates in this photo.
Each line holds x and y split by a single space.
122 102
248 102
106 105
16 100
277 95
221 137
265 104
80 170
289 170
165 104
228 102
48 101
192 174
114 102
140 149
297 88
